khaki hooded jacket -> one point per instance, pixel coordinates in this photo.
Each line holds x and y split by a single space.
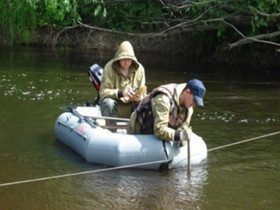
113 81
161 110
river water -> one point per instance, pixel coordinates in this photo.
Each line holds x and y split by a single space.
240 104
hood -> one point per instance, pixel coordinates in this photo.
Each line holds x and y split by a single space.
125 50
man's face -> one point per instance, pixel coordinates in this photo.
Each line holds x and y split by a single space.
187 99
125 63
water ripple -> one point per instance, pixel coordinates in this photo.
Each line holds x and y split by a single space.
230 117
22 87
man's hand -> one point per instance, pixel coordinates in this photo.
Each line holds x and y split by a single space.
127 92
136 97
185 135
138 93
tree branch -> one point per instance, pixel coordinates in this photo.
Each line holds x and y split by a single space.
119 32
54 41
233 17
258 38
264 14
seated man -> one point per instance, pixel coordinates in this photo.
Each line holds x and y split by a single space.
122 76
164 112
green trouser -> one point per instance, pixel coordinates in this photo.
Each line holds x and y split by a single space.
113 108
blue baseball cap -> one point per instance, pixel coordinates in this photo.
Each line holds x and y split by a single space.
198 90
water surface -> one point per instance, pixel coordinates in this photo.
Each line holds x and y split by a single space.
239 104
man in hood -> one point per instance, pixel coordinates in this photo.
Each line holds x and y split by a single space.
122 76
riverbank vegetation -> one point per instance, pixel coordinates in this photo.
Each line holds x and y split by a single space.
216 26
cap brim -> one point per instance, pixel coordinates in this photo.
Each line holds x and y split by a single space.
198 100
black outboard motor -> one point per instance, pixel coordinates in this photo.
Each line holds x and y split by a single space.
95 74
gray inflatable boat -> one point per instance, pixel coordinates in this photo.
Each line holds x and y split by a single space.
99 145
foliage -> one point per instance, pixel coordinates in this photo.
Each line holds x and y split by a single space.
265 13
17 19
20 18
92 11
57 13
128 16
133 16
232 19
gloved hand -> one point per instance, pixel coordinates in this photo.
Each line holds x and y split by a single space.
185 136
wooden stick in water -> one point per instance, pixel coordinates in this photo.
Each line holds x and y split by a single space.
190 112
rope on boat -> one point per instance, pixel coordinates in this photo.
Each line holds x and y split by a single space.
129 166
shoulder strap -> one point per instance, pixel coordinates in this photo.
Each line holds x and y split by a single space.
165 89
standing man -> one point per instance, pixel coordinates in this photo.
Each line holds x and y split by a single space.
164 112
122 76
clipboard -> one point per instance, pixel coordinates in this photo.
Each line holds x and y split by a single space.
139 91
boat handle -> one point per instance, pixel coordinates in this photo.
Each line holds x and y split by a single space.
72 129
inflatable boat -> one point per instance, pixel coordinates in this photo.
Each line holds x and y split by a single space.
79 129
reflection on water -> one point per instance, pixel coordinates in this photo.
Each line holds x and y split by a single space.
143 189
238 105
